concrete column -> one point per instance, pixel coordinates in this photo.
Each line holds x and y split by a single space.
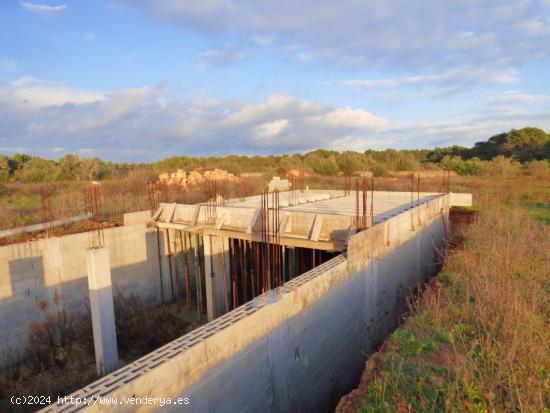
53 263
216 266
101 306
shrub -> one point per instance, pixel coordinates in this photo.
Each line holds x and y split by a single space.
474 166
142 328
379 170
539 169
502 166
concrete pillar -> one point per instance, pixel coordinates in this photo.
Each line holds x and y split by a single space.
216 266
53 263
101 306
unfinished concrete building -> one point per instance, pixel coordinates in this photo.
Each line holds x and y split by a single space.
298 286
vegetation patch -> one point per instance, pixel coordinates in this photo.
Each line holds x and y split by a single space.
59 355
478 339
539 210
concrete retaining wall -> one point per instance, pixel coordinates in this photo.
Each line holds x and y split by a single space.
33 271
299 347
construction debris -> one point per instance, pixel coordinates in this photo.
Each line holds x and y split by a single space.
278 184
297 173
194 178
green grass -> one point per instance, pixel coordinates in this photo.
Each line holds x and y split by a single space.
538 210
412 375
479 341
24 201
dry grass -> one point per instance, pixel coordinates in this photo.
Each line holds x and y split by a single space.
59 356
497 303
479 340
20 203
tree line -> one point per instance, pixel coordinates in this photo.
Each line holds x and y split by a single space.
509 149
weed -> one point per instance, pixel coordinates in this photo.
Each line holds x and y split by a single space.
59 356
484 346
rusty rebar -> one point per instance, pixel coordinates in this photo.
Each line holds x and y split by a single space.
160 267
412 190
372 201
152 195
224 272
92 199
46 209
185 266
418 190
170 270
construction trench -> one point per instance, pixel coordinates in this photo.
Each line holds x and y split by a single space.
298 287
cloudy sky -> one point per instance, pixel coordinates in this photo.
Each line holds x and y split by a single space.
141 80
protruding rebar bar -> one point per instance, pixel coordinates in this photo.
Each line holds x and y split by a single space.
46 210
92 200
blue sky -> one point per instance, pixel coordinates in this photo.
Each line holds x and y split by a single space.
142 80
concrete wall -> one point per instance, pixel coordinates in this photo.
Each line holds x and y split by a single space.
137 218
33 271
299 347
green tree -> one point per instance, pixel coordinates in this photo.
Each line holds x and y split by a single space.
406 162
526 144
70 167
437 154
323 166
349 163
522 144
38 170
17 161
379 170
90 169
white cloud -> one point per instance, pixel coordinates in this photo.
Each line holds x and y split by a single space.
353 119
37 93
450 81
399 34
100 114
224 55
276 106
353 143
485 117
43 9
265 40
143 123
269 130
515 97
